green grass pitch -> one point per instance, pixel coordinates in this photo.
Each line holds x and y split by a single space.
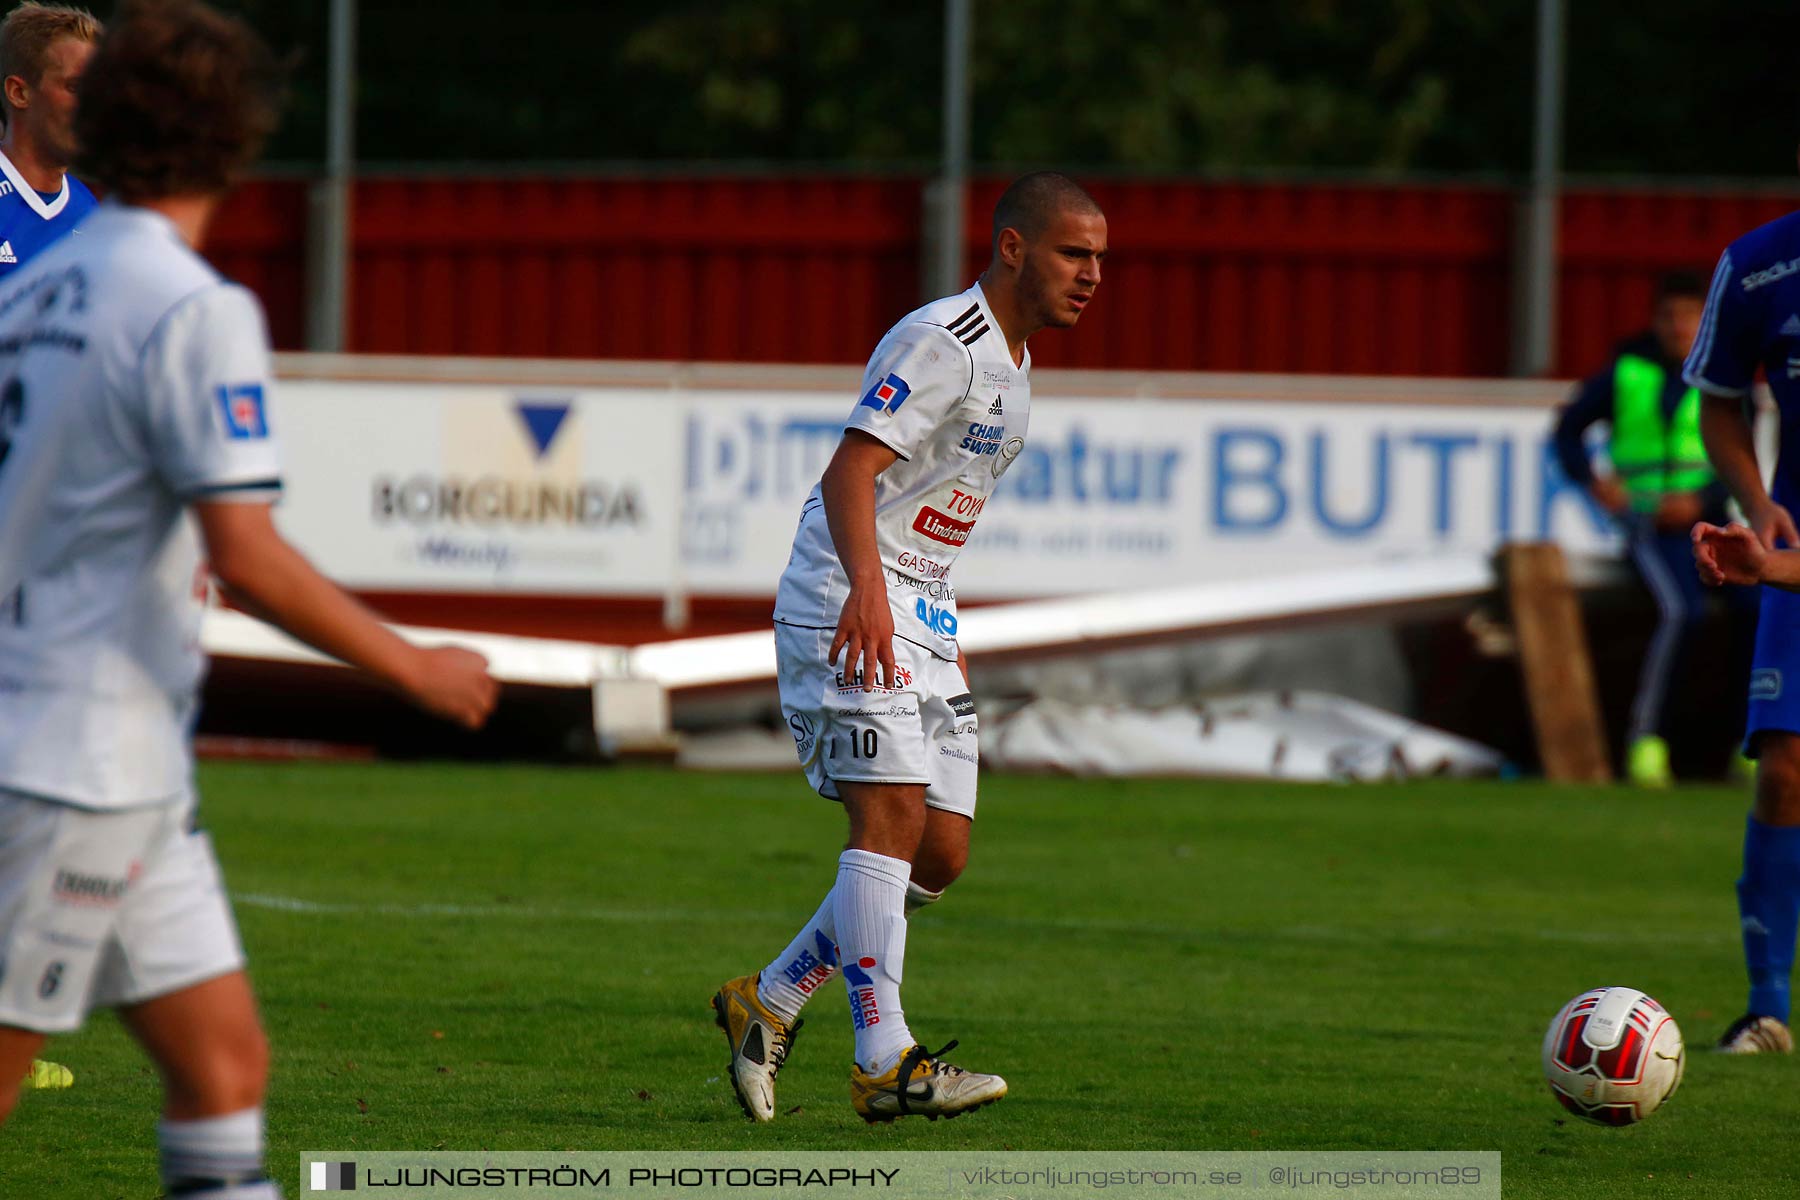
520 958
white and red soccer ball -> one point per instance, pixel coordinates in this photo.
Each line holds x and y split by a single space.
1613 1055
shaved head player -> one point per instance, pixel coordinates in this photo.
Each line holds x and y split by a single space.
865 636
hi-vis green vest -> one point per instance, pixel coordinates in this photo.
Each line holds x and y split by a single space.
1652 456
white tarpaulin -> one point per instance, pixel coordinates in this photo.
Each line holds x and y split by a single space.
1274 735
1266 735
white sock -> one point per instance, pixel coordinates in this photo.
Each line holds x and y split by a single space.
799 971
918 897
871 925
215 1158
810 960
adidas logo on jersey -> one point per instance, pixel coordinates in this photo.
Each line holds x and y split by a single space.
6 253
996 409
1792 328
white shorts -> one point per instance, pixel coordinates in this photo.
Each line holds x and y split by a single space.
99 909
923 731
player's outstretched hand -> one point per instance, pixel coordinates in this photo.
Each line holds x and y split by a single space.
1774 525
865 633
1728 554
453 683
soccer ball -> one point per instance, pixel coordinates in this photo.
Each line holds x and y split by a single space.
1613 1055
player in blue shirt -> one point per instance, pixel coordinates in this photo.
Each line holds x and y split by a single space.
1752 321
43 50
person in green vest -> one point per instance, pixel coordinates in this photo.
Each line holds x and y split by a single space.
1659 486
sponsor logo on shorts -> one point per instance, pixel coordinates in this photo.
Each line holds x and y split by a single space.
854 683
959 752
892 710
806 738
942 528
963 705
75 887
1765 684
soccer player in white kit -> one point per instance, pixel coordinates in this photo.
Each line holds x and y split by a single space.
134 392
865 637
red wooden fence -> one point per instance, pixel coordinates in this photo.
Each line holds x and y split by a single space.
1370 279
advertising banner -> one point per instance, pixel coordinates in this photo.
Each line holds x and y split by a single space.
642 491
1118 494
441 487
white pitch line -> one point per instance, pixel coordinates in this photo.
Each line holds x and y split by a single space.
1439 934
622 916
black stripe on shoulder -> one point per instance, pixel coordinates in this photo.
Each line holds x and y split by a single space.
974 335
961 322
971 356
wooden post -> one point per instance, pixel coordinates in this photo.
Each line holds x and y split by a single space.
1553 656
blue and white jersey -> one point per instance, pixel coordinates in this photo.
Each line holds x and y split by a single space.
30 220
1752 320
133 381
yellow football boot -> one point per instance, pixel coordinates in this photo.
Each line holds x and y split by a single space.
922 1084
760 1042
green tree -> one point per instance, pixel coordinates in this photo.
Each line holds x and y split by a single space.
1654 86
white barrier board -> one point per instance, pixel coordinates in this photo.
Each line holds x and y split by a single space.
1117 494
461 488
635 491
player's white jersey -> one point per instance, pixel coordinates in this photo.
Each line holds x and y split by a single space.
942 391
133 380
